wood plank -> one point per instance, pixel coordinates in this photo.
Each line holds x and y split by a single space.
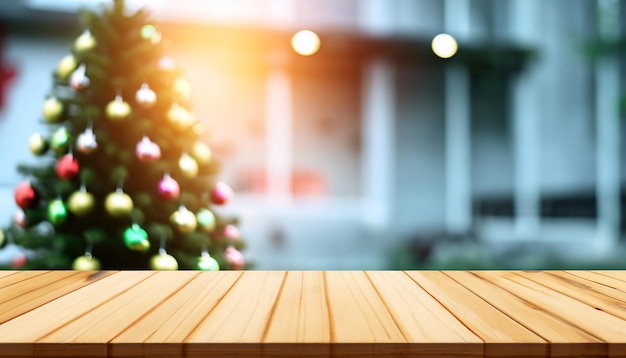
300 317
4 273
422 321
606 327
8 283
616 274
598 296
565 339
598 278
235 327
17 336
503 336
30 294
23 287
161 332
103 323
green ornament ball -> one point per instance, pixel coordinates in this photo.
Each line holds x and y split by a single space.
149 32
163 262
57 212
86 263
60 140
206 220
207 263
136 238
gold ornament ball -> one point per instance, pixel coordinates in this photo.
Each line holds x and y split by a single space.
188 166
180 117
184 220
2 238
118 204
85 42
198 128
81 203
182 89
66 66
86 263
201 152
52 110
163 262
37 144
117 109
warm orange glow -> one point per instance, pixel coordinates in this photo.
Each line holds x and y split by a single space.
444 45
305 42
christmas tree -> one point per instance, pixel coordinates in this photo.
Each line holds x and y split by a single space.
124 179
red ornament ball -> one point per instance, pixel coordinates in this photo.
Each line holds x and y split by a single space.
169 188
221 194
25 195
18 261
67 167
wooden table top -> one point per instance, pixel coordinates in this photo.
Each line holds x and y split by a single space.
313 313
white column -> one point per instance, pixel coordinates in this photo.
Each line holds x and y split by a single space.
378 108
608 131
281 14
377 16
525 118
457 125
278 118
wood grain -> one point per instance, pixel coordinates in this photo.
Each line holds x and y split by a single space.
301 315
160 333
20 334
504 336
565 340
237 323
313 314
598 296
609 282
606 327
41 289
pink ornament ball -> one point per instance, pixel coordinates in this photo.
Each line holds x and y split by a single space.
19 218
231 232
147 150
86 142
169 188
234 258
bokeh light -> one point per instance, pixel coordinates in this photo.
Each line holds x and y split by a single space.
444 45
305 42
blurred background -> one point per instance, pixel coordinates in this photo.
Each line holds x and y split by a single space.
370 142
